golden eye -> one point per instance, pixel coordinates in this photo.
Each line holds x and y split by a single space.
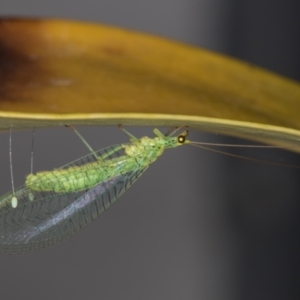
181 139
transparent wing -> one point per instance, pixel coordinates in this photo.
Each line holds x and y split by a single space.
42 219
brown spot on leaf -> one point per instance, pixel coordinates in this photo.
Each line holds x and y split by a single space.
19 68
111 50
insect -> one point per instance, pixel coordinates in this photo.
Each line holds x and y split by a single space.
54 205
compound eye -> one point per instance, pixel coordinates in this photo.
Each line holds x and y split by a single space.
181 139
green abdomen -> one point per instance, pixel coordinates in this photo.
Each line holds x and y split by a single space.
75 179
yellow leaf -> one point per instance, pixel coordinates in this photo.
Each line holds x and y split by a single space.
55 72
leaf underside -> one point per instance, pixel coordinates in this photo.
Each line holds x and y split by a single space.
56 72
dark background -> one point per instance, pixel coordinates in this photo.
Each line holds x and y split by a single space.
197 225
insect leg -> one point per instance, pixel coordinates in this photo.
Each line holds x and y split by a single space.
158 133
104 156
83 140
132 137
170 132
173 130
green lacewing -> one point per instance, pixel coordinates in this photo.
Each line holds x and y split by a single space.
54 205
